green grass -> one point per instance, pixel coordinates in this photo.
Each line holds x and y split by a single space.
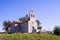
19 36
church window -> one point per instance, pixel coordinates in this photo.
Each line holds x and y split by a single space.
32 15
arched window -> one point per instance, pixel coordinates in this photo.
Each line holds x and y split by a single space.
32 15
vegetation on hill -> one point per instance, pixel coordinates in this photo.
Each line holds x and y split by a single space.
28 37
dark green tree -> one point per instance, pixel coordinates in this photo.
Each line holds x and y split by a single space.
7 25
39 27
25 18
38 22
57 30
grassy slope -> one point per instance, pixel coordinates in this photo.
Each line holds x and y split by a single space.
28 37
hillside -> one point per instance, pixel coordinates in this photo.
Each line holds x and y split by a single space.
19 36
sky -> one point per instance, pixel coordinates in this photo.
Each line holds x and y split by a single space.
46 11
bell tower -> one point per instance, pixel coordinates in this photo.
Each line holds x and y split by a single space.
32 24
32 15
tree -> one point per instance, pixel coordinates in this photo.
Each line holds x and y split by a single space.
7 25
25 18
39 27
38 22
57 30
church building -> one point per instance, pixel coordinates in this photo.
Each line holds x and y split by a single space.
25 26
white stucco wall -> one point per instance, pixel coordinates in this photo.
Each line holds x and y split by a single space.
32 24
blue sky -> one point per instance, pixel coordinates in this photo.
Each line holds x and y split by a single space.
47 11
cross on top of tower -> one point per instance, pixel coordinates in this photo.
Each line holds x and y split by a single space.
32 10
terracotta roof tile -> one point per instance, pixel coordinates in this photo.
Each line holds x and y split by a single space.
20 22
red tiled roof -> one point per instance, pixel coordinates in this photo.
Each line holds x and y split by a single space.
20 22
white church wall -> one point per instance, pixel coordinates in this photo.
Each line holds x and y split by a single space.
32 24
